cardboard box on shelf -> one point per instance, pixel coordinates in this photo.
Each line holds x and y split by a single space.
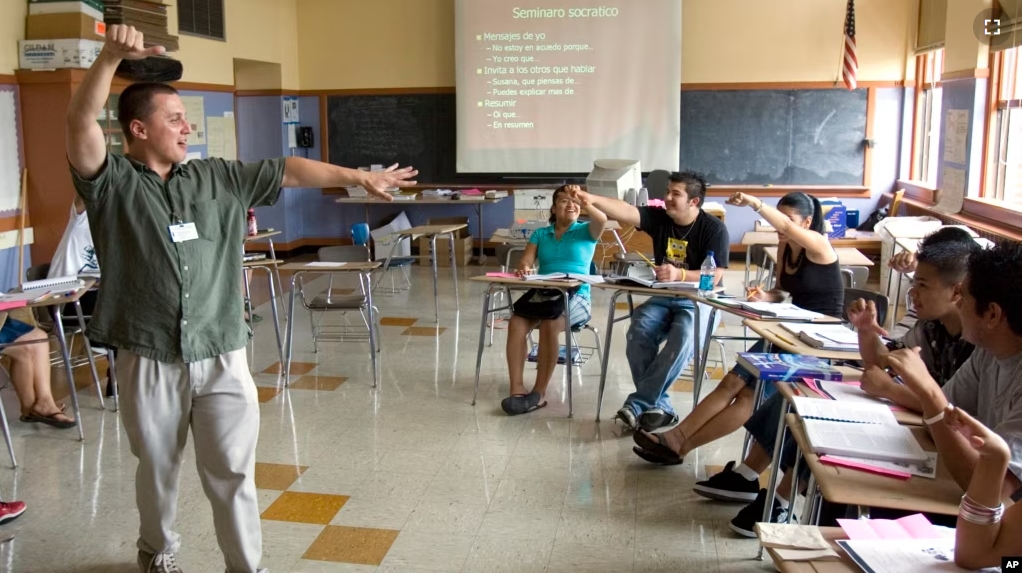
91 8
64 25
54 54
463 251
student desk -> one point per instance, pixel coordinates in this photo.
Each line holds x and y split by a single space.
865 490
831 535
431 231
700 349
365 270
268 237
269 266
494 283
476 204
799 388
773 332
54 304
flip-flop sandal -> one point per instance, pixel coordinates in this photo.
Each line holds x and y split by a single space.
50 420
655 445
654 459
522 404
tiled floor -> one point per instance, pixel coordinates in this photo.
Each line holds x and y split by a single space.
406 477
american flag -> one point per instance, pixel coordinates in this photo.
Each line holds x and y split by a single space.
849 63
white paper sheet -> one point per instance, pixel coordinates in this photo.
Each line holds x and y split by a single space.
904 556
10 171
957 124
195 112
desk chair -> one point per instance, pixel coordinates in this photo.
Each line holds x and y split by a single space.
854 277
328 301
512 256
71 328
880 301
657 184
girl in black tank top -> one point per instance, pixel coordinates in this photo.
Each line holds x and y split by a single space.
808 270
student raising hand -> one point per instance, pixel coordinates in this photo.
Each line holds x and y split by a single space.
863 315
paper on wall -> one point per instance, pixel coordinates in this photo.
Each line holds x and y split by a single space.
952 191
10 172
957 123
196 114
221 141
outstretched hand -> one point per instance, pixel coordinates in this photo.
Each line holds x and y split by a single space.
378 182
126 42
863 315
980 437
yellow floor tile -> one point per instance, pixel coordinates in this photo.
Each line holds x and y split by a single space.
305 507
297 368
351 545
681 386
397 321
424 331
312 382
277 476
266 393
765 477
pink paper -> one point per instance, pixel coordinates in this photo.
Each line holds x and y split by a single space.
910 527
503 275
864 467
812 385
472 191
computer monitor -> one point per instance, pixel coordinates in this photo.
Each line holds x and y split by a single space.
613 177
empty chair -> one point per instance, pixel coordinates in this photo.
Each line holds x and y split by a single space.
657 184
342 302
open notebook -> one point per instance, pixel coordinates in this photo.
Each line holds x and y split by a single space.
834 337
653 283
868 431
591 279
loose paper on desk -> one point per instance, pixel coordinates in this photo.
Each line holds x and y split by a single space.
790 536
322 264
957 125
914 526
905 556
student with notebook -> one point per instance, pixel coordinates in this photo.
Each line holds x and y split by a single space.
986 529
988 386
683 235
565 246
942 267
808 270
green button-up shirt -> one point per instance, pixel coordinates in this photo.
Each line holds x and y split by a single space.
164 300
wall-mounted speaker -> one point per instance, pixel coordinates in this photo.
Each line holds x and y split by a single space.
305 137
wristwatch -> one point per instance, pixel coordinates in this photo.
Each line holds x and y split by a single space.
940 415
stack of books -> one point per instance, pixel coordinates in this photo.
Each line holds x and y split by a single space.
148 17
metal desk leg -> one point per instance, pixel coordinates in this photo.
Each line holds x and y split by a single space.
7 437
758 393
55 313
811 501
454 269
607 348
273 310
91 358
772 483
483 335
433 257
749 249
248 296
286 367
794 491
368 289
568 351
704 353
277 272
112 365
479 217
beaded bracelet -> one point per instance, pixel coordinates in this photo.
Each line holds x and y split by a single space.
978 514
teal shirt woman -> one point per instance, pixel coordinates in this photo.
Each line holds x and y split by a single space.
566 246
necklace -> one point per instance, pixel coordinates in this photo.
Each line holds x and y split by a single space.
790 265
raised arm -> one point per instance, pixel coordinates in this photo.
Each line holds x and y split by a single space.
86 146
818 247
618 210
299 172
863 316
598 220
981 539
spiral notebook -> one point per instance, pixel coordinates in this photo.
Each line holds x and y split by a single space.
68 282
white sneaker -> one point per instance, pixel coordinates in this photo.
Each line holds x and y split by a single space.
158 563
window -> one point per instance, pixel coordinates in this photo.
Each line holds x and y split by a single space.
927 117
201 18
1005 182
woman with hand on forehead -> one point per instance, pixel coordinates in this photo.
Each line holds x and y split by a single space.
565 246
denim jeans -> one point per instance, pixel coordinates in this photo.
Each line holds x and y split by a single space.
763 426
659 320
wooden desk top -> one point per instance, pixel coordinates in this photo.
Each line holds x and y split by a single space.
904 417
642 290
831 535
267 262
430 230
853 239
566 284
59 295
259 236
847 256
853 487
345 268
750 238
775 334
418 201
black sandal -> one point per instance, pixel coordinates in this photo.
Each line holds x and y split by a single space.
654 458
51 420
654 444
522 403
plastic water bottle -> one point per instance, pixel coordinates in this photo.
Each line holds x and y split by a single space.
707 275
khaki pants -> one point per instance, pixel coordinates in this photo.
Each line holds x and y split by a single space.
217 399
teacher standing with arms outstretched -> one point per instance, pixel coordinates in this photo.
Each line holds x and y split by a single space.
169 235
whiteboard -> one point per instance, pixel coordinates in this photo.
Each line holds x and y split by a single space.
10 172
